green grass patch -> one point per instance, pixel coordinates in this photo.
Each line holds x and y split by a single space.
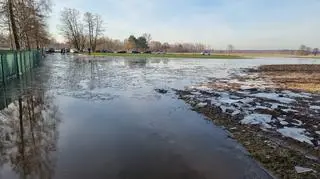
170 55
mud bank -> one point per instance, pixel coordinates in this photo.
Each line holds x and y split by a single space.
276 121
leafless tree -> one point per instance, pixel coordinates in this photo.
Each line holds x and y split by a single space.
72 28
25 22
230 49
90 24
155 45
148 37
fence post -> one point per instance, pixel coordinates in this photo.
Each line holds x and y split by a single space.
20 63
17 65
2 70
24 62
30 59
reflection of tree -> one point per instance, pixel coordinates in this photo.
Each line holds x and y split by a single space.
29 135
136 63
87 70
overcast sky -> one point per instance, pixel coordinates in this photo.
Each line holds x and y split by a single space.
247 24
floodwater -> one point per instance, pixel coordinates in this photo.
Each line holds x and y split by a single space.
73 118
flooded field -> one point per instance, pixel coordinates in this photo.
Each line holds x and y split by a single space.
75 118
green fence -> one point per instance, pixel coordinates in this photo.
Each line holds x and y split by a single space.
15 63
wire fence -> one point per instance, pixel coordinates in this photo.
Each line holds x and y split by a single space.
15 63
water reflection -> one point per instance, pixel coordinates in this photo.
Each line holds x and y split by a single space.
136 63
28 134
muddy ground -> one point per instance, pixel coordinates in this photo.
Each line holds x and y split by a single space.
273 110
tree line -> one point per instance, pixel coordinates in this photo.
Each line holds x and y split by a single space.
23 23
305 50
145 43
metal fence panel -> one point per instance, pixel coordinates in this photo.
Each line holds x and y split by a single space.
15 63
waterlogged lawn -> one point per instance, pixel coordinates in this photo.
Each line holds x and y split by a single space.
171 55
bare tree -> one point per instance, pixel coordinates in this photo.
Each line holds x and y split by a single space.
155 45
94 28
13 24
72 28
308 51
148 37
302 50
230 49
165 46
25 21
90 23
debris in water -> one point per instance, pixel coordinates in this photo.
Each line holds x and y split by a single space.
162 91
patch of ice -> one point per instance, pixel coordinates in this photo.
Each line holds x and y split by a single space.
247 100
296 95
201 105
189 96
223 108
202 88
275 105
295 133
284 123
195 93
303 169
299 123
289 110
261 119
315 107
318 132
236 112
274 96
245 87
227 100
84 84
261 107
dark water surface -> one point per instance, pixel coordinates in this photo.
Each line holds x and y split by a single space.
74 119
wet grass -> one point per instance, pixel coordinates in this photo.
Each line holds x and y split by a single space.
171 55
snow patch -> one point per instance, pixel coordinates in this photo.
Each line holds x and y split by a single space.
315 107
296 95
236 112
275 105
201 105
299 123
274 96
261 119
295 133
303 169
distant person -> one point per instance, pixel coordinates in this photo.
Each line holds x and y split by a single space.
89 51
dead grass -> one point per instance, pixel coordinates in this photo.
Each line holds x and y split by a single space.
295 77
